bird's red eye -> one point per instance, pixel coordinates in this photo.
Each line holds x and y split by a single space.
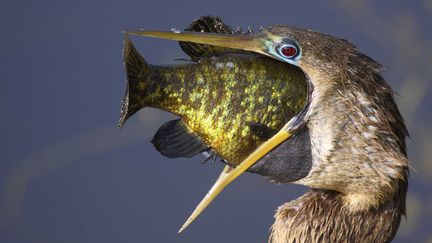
288 51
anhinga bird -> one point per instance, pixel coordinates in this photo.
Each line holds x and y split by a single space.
347 144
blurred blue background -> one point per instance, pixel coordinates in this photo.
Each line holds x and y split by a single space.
68 175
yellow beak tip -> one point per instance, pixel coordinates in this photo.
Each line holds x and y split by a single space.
229 174
185 225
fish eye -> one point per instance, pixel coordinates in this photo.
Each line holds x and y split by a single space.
288 51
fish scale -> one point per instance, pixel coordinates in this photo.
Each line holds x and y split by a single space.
218 96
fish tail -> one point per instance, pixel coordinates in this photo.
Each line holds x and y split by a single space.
137 71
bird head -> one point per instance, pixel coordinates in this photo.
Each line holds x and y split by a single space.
349 137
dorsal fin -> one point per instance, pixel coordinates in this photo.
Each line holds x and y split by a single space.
212 24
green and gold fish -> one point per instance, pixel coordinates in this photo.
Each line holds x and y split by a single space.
228 101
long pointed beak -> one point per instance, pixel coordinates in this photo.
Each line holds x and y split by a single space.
229 174
253 43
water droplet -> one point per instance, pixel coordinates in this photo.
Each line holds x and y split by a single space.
219 65
230 64
175 30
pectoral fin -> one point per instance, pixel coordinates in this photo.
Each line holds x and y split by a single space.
174 139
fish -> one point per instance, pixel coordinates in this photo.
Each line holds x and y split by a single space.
228 102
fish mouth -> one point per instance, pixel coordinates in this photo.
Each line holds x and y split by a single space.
257 43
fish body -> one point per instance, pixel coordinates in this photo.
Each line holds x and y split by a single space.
232 102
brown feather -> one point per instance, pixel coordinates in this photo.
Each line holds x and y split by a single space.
360 167
321 216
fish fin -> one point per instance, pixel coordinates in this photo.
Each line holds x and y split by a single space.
174 139
210 155
262 131
136 71
289 161
212 24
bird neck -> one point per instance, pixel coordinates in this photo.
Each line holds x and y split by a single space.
358 136
322 216
359 160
